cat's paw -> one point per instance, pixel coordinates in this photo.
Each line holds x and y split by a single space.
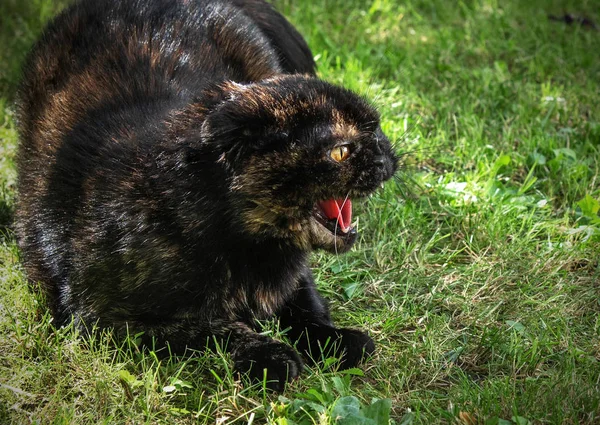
351 346
282 363
354 346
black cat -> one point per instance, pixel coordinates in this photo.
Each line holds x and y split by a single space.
178 162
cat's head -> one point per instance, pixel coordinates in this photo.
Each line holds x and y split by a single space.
298 151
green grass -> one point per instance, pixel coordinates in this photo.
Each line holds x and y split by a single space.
477 271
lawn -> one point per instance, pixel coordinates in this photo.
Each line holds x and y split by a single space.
477 270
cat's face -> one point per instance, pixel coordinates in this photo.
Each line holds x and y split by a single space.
299 150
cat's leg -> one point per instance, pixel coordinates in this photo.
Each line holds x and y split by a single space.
310 327
251 352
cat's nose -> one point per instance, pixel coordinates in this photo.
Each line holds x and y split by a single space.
386 164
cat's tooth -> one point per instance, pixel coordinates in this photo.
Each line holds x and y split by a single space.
381 185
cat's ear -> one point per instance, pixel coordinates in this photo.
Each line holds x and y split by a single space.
240 122
226 120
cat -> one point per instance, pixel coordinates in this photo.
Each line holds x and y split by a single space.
178 162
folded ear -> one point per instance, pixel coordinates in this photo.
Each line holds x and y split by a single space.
242 121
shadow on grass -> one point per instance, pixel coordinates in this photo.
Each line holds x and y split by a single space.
6 219
6 214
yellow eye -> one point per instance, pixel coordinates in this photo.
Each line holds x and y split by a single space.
340 153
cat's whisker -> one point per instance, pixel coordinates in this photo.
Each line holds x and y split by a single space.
370 122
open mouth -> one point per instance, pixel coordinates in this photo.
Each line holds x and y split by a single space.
335 215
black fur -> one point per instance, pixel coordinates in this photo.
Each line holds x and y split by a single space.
170 164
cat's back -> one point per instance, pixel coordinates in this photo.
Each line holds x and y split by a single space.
132 51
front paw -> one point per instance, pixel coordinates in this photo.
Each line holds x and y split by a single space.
351 346
355 346
282 363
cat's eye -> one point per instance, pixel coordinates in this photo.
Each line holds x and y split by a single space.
340 153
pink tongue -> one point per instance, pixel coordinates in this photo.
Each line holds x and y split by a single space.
340 210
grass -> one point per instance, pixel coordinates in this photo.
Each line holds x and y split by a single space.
477 271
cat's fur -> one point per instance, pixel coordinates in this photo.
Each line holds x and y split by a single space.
172 156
